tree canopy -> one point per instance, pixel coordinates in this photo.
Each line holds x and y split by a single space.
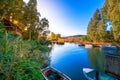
25 16
110 12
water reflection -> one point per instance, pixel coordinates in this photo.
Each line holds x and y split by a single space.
96 58
71 59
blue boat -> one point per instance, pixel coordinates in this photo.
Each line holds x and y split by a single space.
109 47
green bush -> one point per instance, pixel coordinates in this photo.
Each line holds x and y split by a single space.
23 58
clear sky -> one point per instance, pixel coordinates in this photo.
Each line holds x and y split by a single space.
68 17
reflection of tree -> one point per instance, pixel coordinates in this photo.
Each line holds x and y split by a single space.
96 59
45 59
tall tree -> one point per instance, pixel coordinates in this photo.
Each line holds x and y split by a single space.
110 12
32 17
42 27
52 36
57 36
115 17
92 26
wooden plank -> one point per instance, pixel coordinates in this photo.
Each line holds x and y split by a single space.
112 65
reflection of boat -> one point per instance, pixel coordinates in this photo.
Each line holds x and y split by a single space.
80 44
91 74
50 73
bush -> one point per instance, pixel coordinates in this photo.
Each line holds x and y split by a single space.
23 58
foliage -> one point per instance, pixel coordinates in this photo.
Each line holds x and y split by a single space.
43 41
57 36
25 16
97 25
23 58
20 58
18 69
54 36
84 38
93 26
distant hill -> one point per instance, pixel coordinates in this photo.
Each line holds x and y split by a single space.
73 36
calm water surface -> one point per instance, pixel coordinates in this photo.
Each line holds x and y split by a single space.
71 59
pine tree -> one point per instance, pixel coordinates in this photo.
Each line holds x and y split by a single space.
92 26
115 17
101 31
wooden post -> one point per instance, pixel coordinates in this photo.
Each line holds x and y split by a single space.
97 75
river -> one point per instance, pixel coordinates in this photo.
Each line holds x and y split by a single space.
71 59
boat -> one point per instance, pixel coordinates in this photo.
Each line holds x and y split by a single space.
89 73
92 74
51 73
109 47
88 46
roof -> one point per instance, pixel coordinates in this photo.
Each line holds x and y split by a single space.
10 26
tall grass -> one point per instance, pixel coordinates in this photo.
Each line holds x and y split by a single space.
21 59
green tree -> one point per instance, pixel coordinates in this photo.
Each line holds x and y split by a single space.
42 27
115 17
52 36
92 26
101 31
110 11
32 17
57 36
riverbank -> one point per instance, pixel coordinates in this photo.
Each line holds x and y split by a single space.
83 43
98 44
78 41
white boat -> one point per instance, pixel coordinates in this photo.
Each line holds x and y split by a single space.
88 46
50 73
91 74
88 73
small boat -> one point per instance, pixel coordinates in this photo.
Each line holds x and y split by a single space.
50 73
89 73
92 74
109 47
88 46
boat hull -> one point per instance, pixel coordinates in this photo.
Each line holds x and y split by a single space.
50 73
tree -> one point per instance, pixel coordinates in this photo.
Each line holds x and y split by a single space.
32 17
115 17
97 25
42 27
52 36
111 12
92 26
57 36
101 31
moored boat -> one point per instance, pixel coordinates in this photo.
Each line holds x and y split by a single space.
92 74
88 46
89 73
109 47
50 73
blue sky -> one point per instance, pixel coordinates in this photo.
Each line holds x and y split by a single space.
68 17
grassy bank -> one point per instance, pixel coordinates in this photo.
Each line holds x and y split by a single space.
21 59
